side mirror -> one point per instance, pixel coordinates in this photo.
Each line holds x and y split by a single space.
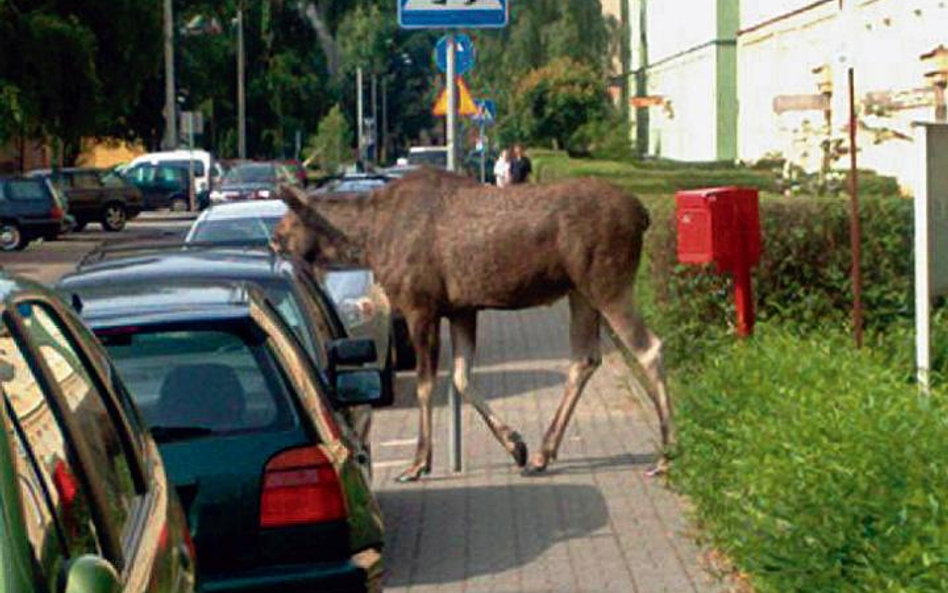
358 388
351 353
92 574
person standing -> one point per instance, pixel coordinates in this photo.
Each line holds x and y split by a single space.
520 166
502 169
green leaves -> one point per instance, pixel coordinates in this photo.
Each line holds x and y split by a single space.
816 467
332 145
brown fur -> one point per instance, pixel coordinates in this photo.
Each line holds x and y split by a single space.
443 246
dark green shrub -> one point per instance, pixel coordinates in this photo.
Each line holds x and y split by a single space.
815 467
804 275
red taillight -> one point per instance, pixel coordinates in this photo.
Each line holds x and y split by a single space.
301 486
56 213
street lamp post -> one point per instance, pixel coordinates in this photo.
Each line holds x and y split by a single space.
241 93
171 111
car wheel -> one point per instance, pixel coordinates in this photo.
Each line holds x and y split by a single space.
404 348
79 226
179 205
11 237
114 217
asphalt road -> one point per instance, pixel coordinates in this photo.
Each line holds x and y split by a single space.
47 261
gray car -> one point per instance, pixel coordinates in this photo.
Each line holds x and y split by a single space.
361 303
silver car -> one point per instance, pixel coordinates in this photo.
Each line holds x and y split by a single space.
360 301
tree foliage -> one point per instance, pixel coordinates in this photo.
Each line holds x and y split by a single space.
331 145
556 103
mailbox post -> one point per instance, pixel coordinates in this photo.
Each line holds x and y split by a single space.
931 236
721 226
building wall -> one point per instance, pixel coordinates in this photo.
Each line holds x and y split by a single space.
690 62
782 41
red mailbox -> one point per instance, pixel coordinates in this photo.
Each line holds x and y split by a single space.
721 226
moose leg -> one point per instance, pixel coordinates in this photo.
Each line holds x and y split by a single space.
646 347
463 346
424 334
585 358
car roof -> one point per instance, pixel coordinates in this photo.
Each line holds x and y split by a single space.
245 209
219 263
110 305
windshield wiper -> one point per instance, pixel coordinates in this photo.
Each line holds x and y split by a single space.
167 434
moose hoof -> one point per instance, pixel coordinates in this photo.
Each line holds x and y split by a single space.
518 449
537 466
413 474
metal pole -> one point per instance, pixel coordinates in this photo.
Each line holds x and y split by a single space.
241 92
171 111
384 120
191 197
855 229
455 445
452 106
922 267
360 114
375 119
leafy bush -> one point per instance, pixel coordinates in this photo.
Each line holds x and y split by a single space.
804 274
815 467
553 102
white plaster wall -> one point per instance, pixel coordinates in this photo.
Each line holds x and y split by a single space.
890 35
675 26
688 131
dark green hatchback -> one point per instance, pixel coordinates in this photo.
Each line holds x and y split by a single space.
276 492
85 504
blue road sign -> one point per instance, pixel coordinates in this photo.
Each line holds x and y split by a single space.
440 14
464 55
486 112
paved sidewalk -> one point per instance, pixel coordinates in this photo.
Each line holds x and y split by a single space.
594 523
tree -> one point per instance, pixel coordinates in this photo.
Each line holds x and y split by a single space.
554 102
331 147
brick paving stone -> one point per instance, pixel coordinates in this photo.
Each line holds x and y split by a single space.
594 523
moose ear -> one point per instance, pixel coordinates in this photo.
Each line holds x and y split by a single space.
294 197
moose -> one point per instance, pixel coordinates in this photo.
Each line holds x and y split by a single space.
444 246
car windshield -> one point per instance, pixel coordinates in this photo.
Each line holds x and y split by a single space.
256 173
229 230
26 190
113 179
436 158
190 383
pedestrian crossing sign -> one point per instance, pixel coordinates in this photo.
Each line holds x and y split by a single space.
440 14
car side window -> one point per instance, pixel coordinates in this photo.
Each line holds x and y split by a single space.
56 509
323 311
85 402
84 180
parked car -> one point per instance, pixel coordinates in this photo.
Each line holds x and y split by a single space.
96 195
165 185
29 210
433 156
85 503
358 183
359 298
252 181
205 168
299 298
275 488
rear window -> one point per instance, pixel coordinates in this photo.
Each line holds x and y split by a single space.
198 166
191 383
26 191
236 229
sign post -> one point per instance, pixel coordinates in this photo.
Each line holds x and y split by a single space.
931 238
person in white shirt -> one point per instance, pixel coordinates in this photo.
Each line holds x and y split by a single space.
502 169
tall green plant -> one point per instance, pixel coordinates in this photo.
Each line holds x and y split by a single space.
331 147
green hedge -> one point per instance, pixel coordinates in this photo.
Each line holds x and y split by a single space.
804 275
816 468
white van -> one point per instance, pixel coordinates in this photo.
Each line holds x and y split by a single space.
205 166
